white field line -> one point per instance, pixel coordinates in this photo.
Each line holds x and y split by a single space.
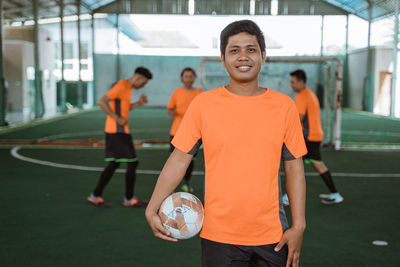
14 153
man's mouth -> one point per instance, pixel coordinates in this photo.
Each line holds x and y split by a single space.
244 68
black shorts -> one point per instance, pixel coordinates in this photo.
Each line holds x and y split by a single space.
314 152
214 254
119 148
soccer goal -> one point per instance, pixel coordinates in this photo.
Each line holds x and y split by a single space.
324 77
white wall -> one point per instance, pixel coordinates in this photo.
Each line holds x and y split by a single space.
19 68
357 61
382 62
18 57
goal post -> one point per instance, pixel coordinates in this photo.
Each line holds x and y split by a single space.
322 72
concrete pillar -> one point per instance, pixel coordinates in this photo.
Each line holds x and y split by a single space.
3 89
368 100
62 82
80 90
394 73
39 105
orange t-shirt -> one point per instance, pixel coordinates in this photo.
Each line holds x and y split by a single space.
244 139
180 100
120 95
308 105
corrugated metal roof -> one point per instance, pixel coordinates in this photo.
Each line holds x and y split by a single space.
380 8
20 10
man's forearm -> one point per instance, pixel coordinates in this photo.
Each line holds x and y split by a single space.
134 105
171 113
106 108
170 176
296 190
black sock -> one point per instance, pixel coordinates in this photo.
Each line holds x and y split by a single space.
105 177
326 176
130 179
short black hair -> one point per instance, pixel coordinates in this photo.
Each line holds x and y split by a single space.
300 75
188 69
241 26
144 71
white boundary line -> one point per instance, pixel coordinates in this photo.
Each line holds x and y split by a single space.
14 153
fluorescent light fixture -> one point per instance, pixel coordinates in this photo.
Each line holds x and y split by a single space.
85 16
100 15
29 23
70 18
49 20
16 24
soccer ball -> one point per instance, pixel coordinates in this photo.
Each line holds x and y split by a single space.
182 214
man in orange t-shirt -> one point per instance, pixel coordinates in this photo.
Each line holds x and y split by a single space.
246 130
177 106
116 103
308 106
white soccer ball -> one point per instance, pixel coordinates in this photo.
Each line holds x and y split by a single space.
182 214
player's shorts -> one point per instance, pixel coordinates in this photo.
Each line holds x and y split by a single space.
214 254
119 148
314 152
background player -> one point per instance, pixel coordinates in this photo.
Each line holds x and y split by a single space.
177 106
309 109
116 103
245 130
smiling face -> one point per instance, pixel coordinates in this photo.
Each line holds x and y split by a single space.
243 57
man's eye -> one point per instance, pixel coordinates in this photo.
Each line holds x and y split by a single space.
251 50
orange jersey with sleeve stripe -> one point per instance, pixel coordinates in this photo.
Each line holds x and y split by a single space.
120 103
244 139
180 100
308 105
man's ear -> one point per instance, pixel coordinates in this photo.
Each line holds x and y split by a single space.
223 60
264 56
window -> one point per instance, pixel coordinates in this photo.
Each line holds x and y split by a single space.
68 51
84 51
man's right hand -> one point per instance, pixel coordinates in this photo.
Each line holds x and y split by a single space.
156 226
121 121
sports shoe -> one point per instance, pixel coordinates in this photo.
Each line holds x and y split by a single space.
95 200
134 202
187 188
334 198
285 200
324 195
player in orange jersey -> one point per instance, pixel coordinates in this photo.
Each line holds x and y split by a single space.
309 109
116 103
177 106
246 130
